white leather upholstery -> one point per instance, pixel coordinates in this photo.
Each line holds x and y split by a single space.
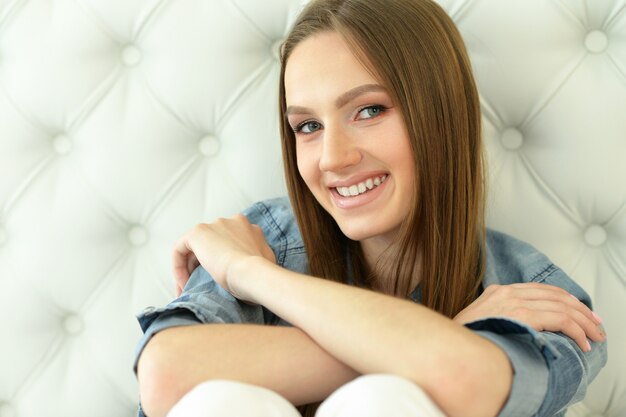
125 122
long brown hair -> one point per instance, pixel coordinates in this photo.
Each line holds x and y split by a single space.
415 50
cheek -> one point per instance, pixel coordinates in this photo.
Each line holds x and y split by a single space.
404 153
401 157
306 165
409 175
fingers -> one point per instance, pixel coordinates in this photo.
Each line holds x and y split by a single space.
215 245
558 322
573 323
551 308
180 279
181 256
242 226
538 291
182 275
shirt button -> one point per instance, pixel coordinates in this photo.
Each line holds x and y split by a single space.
209 146
62 144
512 139
595 235
596 41
131 55
72 324
138 235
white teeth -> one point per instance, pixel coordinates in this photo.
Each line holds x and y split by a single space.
362 187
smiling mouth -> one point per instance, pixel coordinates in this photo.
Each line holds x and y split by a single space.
362 187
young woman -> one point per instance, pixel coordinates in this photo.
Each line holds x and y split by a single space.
376 287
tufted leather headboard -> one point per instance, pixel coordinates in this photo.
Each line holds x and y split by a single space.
124 123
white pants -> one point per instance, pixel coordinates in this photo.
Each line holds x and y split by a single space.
366 396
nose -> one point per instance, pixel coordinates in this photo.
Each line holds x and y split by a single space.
339 151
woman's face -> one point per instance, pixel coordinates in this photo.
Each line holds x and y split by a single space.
352 145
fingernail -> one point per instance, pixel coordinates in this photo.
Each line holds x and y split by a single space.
595 316
588 347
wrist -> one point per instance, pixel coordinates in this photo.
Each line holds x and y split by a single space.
244 275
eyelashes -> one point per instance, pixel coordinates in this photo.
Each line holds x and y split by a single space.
372 111
364 113
310 125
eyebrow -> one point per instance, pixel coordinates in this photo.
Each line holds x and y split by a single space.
343 99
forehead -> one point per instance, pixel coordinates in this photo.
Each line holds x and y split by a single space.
323 65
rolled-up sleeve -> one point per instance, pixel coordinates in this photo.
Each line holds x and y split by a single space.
550 370
202 301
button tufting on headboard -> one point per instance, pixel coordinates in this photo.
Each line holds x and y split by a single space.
131 55
596 41
62 144
125 123
512 139
72 324
138 235
595 235
209 146
276 48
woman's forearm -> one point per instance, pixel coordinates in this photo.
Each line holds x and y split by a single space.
283 359
464 373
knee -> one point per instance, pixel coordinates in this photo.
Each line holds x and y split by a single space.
230 398
378 395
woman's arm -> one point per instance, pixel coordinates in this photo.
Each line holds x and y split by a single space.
283 359
465 374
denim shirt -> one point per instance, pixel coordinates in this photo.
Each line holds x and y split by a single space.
550 371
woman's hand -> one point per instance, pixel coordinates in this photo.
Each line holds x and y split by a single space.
218 247
541 306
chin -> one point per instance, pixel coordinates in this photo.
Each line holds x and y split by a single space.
360 232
